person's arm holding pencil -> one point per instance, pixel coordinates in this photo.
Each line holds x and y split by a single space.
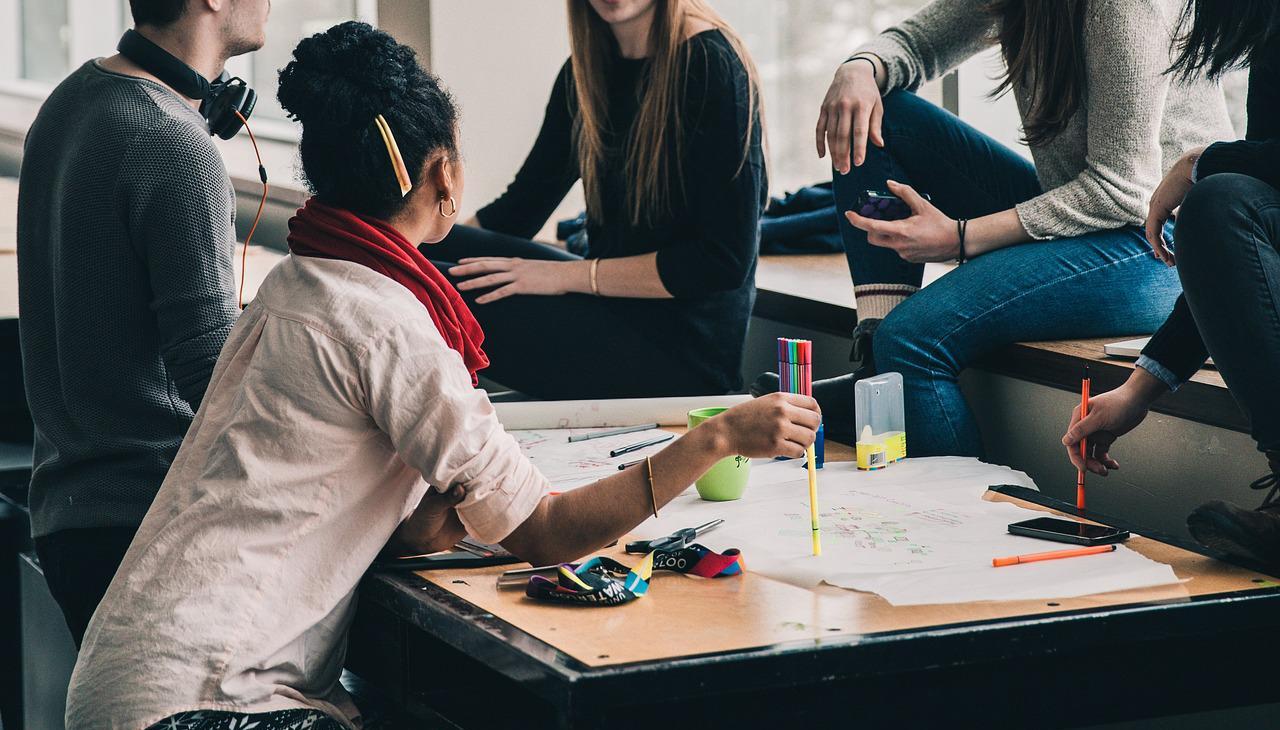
1111 415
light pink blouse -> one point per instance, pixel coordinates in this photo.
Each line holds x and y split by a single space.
334 405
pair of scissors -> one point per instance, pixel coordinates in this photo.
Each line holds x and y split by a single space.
677 539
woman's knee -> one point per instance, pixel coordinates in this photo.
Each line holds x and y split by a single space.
1218 212
905 110
905 342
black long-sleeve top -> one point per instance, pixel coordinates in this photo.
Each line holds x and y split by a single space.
706 247
1177 347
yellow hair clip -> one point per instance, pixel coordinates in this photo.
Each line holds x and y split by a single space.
397 162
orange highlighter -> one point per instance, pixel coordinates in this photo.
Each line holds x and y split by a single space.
1084 442
1051 555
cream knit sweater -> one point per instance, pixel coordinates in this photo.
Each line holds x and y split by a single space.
1135 121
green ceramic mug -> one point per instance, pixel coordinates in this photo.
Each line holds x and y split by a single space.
727 480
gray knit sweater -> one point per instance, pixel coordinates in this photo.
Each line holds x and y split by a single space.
125 285
1136 121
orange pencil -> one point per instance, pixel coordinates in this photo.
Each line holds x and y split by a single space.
1052 555
1084 442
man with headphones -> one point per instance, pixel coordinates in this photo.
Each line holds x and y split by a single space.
126 239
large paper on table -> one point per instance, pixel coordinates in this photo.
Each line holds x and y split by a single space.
915 533
618 412
571 465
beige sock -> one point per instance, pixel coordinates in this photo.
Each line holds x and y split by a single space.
875 301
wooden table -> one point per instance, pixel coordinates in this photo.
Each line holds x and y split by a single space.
753 652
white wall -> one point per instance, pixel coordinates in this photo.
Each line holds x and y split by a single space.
499 58
797 46
997 117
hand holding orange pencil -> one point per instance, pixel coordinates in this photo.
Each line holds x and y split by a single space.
1084 442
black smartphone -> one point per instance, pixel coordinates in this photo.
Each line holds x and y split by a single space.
883 206
1076 533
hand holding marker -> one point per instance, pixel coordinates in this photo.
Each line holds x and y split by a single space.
795 365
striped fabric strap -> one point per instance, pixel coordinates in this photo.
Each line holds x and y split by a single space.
603 581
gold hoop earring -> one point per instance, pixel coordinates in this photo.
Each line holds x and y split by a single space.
453 207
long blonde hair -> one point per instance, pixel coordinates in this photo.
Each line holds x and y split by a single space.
655 147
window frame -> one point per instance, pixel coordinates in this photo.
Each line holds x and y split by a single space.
87 35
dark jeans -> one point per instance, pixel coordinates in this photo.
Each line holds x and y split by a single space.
1228 231
78 565
571 346
1100 284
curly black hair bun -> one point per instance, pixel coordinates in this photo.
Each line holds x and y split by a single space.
337 82
346 75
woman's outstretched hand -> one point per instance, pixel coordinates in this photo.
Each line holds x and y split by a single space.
1168 195
926 236
851 114
778 424
507 276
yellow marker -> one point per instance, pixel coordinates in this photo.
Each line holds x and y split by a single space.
813 500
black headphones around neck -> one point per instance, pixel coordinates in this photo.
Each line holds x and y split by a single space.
220 99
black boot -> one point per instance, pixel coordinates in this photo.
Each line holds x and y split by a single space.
835 395
1253 534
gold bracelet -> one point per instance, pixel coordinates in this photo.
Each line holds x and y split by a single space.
653 493
595 264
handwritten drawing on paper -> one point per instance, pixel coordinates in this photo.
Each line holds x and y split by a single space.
918 532
571 465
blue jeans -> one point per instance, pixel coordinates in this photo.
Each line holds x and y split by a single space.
1101 284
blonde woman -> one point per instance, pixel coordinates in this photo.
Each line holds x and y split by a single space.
657 112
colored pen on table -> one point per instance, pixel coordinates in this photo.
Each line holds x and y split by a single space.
641 445
627 464
1084 442
1052 555
612 432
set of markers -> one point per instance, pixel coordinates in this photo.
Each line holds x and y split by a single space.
795 369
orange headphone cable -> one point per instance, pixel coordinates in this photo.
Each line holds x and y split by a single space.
262 202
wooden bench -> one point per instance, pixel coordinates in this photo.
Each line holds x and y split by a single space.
816 292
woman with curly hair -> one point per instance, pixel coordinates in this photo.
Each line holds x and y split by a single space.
342 417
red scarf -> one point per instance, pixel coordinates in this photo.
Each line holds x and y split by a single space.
332 233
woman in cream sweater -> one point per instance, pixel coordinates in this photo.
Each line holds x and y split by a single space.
1051 247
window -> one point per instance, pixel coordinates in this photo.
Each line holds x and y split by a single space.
796 46
290 22
41 41
45 35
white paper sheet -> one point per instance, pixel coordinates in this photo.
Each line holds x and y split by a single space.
571 465
1122 570
916 532
616 413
